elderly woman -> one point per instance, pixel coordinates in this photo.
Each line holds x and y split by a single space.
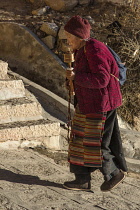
95 137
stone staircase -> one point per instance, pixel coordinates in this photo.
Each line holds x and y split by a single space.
22 123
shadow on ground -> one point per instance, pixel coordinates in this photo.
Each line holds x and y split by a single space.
25 179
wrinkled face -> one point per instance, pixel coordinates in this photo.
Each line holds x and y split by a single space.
73 41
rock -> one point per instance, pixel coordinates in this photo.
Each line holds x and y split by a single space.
27 17
40 11
62 41
61 33
61 5
92 22
128 150
137 150
84 2
49 41
90 19
50 28
123 124
131 143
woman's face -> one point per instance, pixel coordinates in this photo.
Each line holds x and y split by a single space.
73 41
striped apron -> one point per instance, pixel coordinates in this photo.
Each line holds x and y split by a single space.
86 137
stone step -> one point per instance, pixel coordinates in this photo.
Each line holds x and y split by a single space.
30 134
3 69
11 89
21 109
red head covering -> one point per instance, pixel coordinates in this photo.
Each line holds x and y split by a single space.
79 27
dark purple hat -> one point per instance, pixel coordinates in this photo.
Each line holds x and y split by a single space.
79 27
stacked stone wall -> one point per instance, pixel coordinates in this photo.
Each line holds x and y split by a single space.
64 5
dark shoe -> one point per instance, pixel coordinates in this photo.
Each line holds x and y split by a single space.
113 182
76 185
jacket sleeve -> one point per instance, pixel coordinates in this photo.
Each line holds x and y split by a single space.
98 75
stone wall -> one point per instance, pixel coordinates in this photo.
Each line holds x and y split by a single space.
60 5
64 5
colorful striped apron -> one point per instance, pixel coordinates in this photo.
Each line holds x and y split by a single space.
86 137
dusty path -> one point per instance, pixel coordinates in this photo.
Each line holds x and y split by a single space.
31 181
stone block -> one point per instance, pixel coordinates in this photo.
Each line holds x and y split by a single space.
51 142
29 130
3 69
11 89
19 110
50 28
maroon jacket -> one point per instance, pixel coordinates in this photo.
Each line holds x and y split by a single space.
96 90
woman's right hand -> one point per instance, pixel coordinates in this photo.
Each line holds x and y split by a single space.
70 74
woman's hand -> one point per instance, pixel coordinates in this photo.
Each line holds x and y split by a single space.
70 74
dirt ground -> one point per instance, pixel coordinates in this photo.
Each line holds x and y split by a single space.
33 181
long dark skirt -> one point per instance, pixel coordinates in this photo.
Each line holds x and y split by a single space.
111 147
